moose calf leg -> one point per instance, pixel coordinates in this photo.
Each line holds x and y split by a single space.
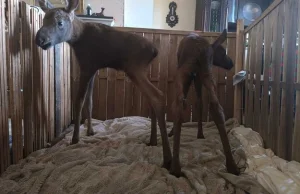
82 89
156 99
198 88
200 134
171 133
183 82
159 108
218 116
89 102
153 136
178 108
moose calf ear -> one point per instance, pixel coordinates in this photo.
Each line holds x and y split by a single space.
220 39
71 5
45 5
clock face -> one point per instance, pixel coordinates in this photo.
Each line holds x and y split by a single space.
172 17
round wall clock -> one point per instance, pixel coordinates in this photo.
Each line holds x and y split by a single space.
172 17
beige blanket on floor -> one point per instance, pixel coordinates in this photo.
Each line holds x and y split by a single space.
116 161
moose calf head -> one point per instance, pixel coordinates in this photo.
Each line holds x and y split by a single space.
221 59
57 24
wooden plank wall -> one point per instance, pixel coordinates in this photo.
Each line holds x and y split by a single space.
4 149
27 81
116 96
272 85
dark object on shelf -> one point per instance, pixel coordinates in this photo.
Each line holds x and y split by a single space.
95 16
88 10
101 14
172 17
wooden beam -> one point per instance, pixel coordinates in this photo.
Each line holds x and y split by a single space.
238 67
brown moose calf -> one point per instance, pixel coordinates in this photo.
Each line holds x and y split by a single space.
195 58
99 46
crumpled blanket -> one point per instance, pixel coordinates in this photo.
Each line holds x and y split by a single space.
117 160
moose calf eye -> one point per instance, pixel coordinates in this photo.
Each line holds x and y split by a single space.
60 23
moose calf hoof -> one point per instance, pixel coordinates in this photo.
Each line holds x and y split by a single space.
90 132
171 133
151 143
176 172
167 165
233 169
200 136
74 141
176 168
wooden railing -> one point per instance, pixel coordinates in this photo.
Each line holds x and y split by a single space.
34 85
116 96
272 87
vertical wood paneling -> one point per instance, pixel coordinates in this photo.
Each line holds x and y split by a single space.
296 134
38 84
111 93
29 76
27 83
42 115
51 119
239 55
62 85
247 82
268 26
15 79
4 145
252 71
128 97
276 71
120 94
102 98
229 98
289 60
258 64
69 85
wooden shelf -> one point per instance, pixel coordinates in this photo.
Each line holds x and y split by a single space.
96 19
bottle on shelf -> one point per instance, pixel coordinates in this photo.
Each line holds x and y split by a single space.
88 10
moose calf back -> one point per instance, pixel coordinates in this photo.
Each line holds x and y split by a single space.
104 46
195 49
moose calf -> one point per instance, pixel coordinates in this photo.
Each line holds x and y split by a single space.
195 58
99 46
